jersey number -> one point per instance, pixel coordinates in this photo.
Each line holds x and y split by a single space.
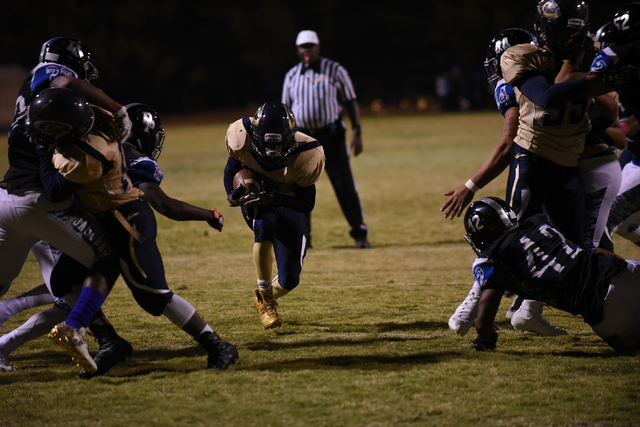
622 22
572 113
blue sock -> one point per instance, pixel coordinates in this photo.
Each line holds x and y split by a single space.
87 306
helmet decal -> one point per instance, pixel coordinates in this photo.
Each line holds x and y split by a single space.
550 9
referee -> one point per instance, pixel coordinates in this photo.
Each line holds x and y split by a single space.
317 89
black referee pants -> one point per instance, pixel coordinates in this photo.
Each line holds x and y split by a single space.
333 139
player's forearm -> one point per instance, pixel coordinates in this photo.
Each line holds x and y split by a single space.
487 309
500 156
90 92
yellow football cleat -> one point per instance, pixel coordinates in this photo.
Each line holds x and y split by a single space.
267 311
74 342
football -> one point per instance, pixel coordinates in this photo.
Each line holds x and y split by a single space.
249 179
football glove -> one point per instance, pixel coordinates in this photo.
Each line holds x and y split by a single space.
264 198
489 344
217 221
234 198
124 123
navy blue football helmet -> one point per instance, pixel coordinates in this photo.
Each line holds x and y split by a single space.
498 44
147 133
273 133
71 53
59 113
561 26
487 219
626 24
603 35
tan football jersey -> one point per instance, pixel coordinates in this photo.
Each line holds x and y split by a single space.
303 168
98 166
555 134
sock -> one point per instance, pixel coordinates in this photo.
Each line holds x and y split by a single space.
265 285
179 311
86 307
207 330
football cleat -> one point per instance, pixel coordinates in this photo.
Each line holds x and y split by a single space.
266 307
515 306
73 341
113 350
4 363
465 315
221 353
529 318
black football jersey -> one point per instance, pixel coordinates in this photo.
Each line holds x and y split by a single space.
536 262
24 171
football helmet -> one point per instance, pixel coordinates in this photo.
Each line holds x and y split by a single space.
498 44
626 24
561 26
147 133
59 113
487 219
273 133
603 35
71 53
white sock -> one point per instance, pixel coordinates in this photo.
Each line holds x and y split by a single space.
265 285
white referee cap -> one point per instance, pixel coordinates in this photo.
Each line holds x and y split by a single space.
307 36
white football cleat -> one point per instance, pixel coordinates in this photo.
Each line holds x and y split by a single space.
465 315
529 318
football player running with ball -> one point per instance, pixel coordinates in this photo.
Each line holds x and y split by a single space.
290 163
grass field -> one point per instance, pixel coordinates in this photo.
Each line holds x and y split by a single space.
365 340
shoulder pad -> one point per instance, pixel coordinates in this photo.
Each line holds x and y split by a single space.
523 58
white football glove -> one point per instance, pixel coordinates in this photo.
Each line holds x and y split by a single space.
124 123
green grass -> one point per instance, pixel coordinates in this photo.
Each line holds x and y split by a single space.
365 338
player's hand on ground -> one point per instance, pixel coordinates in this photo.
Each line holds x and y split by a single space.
459 198
217 221
264 198
487 344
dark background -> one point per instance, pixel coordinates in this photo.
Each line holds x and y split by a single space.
185 56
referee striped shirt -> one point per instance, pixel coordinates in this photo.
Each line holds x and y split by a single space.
315 94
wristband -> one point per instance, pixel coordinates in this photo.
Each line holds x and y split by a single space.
472 187
626 127
357 130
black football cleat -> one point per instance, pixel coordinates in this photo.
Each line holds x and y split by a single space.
113 350
221 354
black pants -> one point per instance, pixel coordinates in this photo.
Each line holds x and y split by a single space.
334 142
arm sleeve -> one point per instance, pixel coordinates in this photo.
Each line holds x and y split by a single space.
540 91
230 171
304 201
56 187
